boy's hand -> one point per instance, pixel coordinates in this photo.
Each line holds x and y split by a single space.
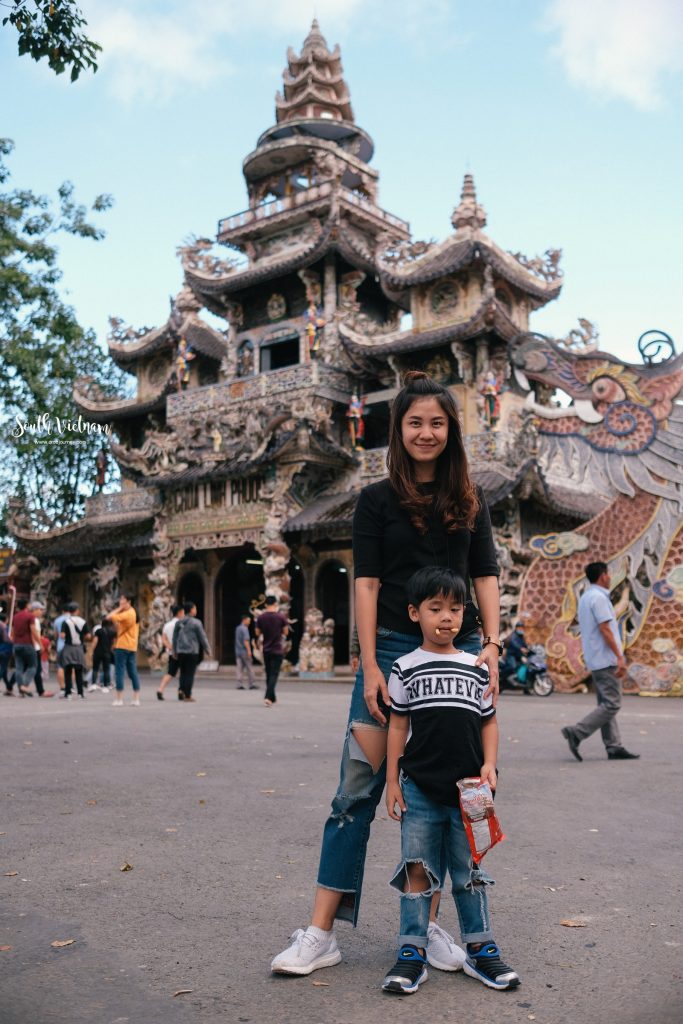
487 773
395 796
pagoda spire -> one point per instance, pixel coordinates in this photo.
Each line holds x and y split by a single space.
469 215
315 39
314 86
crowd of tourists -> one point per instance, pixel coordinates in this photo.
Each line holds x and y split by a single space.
82 657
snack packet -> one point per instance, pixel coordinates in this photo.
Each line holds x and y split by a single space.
479 817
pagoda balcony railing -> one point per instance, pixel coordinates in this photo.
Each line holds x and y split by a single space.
258 213
326 380
504 446
302 199
122 505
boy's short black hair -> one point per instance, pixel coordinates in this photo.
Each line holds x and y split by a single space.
435 581
188 606
245 615
595 570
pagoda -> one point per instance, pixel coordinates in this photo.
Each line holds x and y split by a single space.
244 447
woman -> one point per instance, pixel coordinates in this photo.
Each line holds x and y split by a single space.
427 512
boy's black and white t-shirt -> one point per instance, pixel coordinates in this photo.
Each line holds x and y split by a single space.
444 696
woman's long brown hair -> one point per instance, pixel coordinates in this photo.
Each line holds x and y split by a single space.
455 501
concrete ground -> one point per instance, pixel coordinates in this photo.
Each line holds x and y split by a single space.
218 806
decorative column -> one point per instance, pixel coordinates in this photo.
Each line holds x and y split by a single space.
162 578
105 580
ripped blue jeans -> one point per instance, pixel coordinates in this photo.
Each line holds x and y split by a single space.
430 832
347 829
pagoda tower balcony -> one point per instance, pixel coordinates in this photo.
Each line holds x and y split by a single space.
297 208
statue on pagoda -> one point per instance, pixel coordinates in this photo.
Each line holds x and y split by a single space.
100 469
183 358
356 423
490 392
314 320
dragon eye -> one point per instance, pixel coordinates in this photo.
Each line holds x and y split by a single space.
605 389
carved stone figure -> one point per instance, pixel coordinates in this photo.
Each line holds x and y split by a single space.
546 267
162 579
316 650
583 338
196 255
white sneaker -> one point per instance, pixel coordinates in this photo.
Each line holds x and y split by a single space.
105 689
442 950
93 687
135 703
118 703
307 953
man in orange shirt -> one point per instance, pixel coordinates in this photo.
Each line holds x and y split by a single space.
125 618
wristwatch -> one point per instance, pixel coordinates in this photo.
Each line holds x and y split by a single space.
496 643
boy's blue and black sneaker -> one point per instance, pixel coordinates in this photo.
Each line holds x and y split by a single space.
408 973
486 966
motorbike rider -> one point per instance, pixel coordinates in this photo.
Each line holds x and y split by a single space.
516 651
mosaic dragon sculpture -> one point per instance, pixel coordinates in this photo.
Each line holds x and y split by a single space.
621 439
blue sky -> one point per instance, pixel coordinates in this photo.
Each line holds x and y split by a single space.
567 112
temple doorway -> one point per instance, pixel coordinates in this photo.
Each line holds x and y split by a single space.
191 588
332 598
239 581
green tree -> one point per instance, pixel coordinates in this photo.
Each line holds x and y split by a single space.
43 351
53 29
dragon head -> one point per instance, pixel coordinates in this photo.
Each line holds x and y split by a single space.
615 406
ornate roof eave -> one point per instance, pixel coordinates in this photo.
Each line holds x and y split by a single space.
208 289
110 410
310 71
287 447
126 352
84 532
310 53
489 317
456 253
310 94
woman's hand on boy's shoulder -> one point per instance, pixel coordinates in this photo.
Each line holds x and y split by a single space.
394 796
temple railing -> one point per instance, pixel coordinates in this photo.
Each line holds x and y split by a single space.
326 379
303 198
122 504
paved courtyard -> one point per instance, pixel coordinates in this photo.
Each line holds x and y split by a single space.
218 806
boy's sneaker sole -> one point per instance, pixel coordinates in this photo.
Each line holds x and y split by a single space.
511 981
327 960
401 986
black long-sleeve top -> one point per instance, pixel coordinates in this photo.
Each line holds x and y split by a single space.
387 546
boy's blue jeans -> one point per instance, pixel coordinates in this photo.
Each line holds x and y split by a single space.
124 661
346 832
430 833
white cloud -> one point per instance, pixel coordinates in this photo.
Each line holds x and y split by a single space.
152 52
154 49
619 49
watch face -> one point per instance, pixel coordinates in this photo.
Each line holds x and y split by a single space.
444 297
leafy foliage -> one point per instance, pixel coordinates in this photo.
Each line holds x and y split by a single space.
43 351
53 29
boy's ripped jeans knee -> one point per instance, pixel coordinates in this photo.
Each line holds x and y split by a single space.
402 881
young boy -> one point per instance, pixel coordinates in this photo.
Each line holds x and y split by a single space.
441 730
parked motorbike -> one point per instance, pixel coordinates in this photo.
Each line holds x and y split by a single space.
531 676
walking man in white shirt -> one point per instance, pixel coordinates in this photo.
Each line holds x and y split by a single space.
604 656
167 640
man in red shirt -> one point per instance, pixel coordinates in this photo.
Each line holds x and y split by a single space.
25 637
273 626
